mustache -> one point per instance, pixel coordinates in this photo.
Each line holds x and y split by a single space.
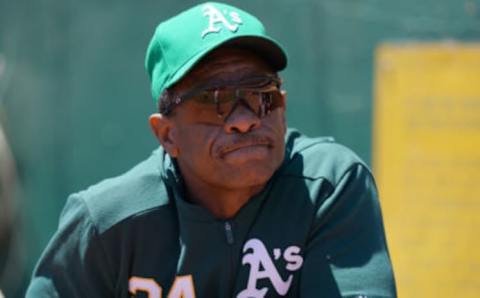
241 141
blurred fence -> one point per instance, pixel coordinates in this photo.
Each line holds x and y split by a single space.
10 239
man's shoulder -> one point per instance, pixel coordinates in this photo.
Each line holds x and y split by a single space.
315 158
137 191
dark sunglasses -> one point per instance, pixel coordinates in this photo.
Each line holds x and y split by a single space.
260 95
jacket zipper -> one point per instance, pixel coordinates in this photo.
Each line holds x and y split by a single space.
229 232
230 240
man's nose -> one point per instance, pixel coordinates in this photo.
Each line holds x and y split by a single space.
242 120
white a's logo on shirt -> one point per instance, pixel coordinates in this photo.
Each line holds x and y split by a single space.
218 20
262 267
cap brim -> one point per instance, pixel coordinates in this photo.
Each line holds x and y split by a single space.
266 47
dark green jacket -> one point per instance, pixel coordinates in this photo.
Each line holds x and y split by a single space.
314 231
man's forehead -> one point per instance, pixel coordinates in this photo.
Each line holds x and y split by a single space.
227 64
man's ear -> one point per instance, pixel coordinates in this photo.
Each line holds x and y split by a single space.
284 99
164 130
284 107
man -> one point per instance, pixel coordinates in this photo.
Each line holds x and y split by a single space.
232 204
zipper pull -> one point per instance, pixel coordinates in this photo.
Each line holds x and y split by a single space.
229 232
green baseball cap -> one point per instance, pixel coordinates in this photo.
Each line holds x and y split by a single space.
183 40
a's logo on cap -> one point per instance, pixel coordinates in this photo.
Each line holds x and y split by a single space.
216 17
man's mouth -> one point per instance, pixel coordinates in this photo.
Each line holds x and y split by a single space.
245 144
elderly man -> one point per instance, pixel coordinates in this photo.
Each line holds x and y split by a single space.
232 204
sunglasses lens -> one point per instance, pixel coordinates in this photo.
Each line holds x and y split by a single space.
259 102
222 102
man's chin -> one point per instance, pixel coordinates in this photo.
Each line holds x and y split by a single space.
252 173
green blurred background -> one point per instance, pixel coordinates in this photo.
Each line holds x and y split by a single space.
74 97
